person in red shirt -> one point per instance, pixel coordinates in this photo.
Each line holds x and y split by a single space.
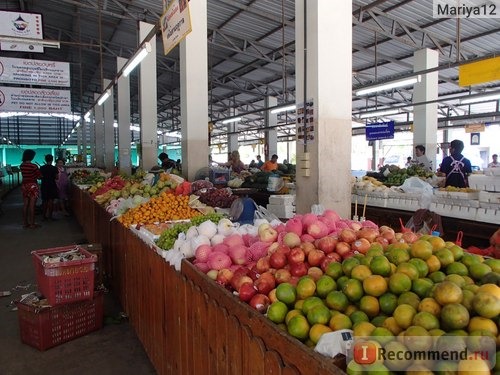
29 186
270 165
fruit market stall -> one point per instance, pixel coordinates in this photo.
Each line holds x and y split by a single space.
269 296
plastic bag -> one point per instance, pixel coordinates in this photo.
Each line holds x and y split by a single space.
317 209
333 343
262 213
423 189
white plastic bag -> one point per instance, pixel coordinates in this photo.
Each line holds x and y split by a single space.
423 189
332 343
317 209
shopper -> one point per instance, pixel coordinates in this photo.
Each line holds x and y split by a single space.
421 158
50 175
270 165
166 163
259 162
494 163
408 162
235 162
29 186
62 187
456 167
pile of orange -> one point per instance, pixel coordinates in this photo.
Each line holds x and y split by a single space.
165 207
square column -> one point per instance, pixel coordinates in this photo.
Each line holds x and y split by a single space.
324 76
99 133
123 107
83 127
194 93
109 130
271 135
92 135
147 102
425 124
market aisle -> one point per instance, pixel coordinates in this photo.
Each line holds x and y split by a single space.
114 349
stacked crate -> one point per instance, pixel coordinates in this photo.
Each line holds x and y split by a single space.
282 206
73 310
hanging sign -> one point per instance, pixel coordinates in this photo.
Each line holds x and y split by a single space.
175 24
18 99
475 128
380 130
305 122
21 25
479 72
34 72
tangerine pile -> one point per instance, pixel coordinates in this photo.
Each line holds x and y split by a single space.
165 207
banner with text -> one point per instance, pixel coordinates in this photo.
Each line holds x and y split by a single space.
18 99
380 130
175 24
21 25
34 72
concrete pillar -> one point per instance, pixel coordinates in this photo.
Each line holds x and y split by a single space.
147 100
79 140
92 138
99 133
425 116
123 107
109 130
232 129
271 135
194 93
324 76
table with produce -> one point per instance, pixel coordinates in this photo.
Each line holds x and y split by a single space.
292 296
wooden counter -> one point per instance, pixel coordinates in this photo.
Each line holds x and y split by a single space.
187 324
474 233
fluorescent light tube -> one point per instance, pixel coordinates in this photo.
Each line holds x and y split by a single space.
38 42
477 99
284 109
389 85
103 97
229 120
136 59
380 113
87 116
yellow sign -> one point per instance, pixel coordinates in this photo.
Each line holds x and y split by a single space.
175 24
475 128
479 72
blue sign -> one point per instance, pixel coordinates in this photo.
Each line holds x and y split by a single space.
380 130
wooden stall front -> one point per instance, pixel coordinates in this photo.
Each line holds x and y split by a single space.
186 323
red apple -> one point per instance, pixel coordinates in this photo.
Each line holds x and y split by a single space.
260 302
347 235
327 244
283 249
296 255
307 247
348 255
265 283
334 256
267 233
298 269
342 248
315 273
315 257
383 241
282 276
368 233
263 265
361 245
272 296
253 274
224 276
294 280
247 291
277 260
239 280
273 247
291 240
410 237
387 233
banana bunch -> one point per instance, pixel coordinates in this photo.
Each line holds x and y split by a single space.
373 180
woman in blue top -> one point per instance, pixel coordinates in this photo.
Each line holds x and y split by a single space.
456 167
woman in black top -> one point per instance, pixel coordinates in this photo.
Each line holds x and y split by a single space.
48 189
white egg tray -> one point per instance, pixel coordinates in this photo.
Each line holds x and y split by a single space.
458 202
451 210
488 215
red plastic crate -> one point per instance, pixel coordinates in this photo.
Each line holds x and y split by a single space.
65 282
51 326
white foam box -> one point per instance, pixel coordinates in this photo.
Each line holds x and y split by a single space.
284 199
488 215
282 211
489 197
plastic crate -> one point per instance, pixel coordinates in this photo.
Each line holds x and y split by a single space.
51 326
65 282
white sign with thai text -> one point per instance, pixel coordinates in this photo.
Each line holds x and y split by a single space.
34 72
175 24
18 99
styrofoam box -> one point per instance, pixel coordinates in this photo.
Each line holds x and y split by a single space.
488 215
283 212
286 199
489 197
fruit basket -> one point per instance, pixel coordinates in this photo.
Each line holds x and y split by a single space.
65 281
44 328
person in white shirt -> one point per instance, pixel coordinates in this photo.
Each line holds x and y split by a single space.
421 158
494 163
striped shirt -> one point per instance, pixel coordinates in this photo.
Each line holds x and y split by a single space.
30 172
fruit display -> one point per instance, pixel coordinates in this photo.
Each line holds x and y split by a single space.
458 190
165 207
319 273
396 177
222 198
86 177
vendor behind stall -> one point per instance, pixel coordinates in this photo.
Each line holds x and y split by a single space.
270 165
